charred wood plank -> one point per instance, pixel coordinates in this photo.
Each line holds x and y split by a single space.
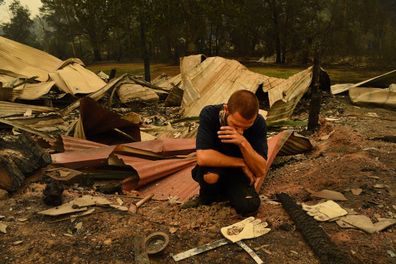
316 96
19 156
175 96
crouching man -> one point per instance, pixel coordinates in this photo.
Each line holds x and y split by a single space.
231 152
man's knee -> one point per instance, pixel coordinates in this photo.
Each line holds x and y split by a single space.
248 206
211 178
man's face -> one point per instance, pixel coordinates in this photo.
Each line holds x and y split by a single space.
238 122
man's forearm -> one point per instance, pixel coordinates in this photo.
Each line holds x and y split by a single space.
256 163
213 158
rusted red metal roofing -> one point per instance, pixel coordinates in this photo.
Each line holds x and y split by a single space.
294 144
89 154
73 144
98 123
166 146
163 146
179 184
183 186
151 170
78 159
169 177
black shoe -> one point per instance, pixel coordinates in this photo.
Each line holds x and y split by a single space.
193 202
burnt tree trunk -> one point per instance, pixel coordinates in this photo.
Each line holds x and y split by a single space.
145 50
19 157
316 96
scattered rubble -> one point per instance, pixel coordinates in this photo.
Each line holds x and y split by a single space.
329 194
3 228
3 194
364 223
378 91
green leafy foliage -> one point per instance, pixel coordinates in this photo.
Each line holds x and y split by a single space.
19 27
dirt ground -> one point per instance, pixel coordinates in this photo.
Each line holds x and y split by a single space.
348 153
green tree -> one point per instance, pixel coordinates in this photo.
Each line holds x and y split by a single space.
77 21
168 29
20 24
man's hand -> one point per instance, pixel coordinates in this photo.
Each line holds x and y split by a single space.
249 174
228 134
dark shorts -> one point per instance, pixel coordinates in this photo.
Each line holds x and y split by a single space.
232 186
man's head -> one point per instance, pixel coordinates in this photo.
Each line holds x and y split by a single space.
242 109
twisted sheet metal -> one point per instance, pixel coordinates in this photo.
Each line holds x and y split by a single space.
216 78
78 159
182 186
75 144
167 177
151 170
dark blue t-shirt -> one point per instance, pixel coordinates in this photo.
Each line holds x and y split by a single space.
209 124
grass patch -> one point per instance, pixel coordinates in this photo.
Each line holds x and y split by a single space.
348 75
276 71
337 74
288 123
135 69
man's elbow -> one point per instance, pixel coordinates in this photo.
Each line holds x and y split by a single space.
262 172
263 169
201 159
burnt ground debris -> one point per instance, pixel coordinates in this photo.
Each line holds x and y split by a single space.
347 159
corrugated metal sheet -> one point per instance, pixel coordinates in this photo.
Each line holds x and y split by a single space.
33 91
213 81
169 177
168 146
76 144
340 87
190 62
7 93
186 64
27 129
285 95
182 186
92 154
151 170
294 144
21 61
286 142
167 83
216 78
129 92
378 91
8 108
380 81
179 185
373 96
50 123
83 158
98 94
98 123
